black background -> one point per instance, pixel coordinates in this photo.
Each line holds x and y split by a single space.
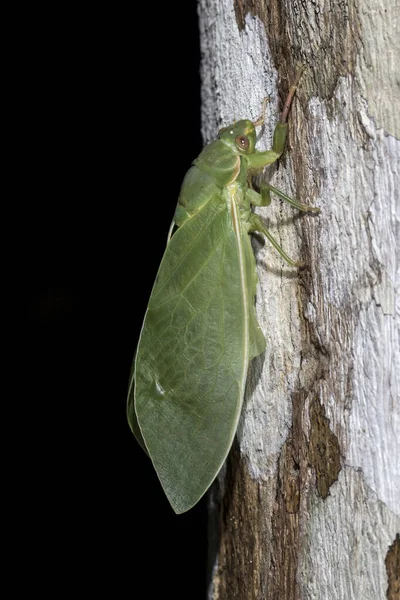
111 123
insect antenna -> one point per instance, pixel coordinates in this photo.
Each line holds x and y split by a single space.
261 119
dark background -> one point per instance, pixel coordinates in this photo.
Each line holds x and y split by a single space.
111 123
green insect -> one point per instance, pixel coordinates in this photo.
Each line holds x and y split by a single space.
200 329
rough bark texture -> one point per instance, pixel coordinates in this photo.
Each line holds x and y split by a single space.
308 503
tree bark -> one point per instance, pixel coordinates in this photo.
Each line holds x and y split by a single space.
308 503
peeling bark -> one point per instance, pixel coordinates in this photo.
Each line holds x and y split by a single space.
308 503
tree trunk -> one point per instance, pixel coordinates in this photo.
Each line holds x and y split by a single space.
308 503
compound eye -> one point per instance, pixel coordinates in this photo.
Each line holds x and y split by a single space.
242 141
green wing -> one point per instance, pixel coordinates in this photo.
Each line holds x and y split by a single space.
193 353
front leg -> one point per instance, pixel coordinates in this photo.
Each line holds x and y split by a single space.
259 160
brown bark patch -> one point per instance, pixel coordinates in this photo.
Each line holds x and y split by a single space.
243 540
324 449
392 562
262 524
328 39
285 526
322 452
286 519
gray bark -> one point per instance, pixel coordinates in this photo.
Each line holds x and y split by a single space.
308 504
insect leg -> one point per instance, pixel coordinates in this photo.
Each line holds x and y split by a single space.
264 198
289 98
257 199
259 160
256 224
267 188
280 132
